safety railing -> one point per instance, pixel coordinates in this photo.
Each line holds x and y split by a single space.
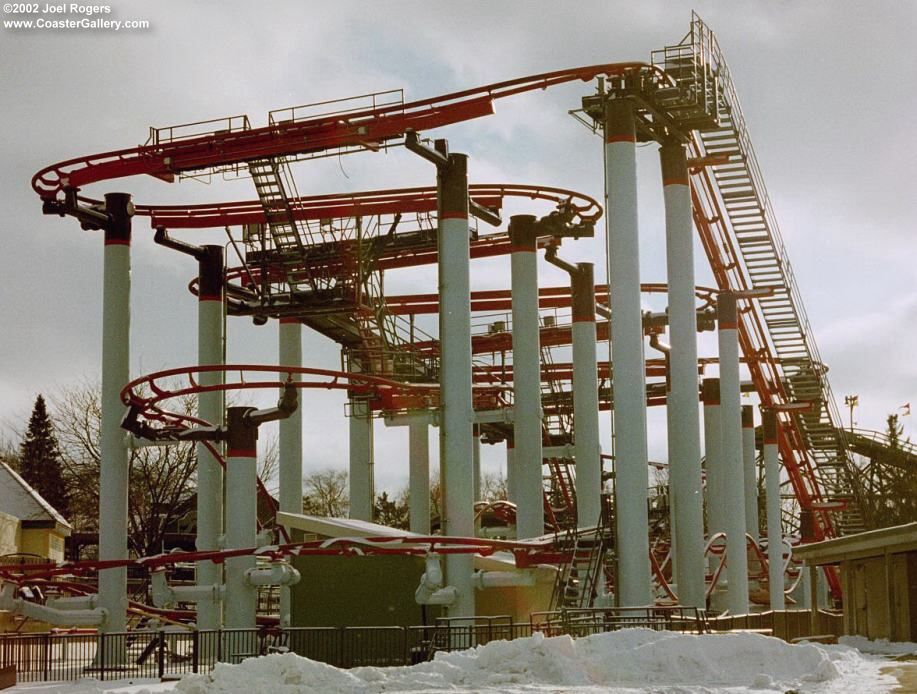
67 656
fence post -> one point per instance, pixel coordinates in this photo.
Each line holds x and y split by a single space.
220 645
195 651
343 632
161 655
47 659
102 655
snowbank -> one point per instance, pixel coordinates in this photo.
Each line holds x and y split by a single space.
637 658
879 646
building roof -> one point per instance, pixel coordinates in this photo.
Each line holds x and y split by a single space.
898 538
325 527
18 499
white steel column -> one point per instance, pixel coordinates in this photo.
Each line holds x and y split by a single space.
455 373
419 478
713 455
114 474
750 467
774 532
241 517
629 379
290 429
733 468
210 314
526 378
586 399
511 494
289 441
362 454
476 462
682 409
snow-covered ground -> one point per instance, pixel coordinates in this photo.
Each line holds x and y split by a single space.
622 662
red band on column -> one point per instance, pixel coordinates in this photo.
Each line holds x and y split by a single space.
748 417
453 215
241 453
674 181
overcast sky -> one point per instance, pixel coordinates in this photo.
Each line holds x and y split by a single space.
828 90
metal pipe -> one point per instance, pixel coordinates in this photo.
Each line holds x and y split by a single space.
277 574
527 423
431 591
750 467
419 477
632 477
48 613
454 247
210 327
114 474
241 516
682 409
733 480
772 487
164 595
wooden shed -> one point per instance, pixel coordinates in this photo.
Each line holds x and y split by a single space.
879 580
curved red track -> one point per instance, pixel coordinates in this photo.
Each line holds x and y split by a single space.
368 128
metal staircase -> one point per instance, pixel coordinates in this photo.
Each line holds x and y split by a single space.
583 577
743 242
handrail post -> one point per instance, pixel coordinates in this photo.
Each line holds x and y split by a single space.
161 654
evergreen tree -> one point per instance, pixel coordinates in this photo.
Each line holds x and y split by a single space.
40 459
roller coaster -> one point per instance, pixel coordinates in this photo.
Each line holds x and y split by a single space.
320 260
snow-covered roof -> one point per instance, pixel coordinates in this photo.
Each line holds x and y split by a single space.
349 527
18 499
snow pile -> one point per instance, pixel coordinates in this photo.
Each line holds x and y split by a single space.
628 658
879 646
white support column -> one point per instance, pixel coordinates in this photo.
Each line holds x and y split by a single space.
733 468
289 441
476 462
774 531
511 494
419 477
210 321
455 374
362 457
682 409
586 400
241 518
713 455
527 430
632 477
290 429
750 467
114 474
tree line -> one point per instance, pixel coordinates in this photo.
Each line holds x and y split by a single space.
59 456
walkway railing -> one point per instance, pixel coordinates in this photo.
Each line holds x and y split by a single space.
65 656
